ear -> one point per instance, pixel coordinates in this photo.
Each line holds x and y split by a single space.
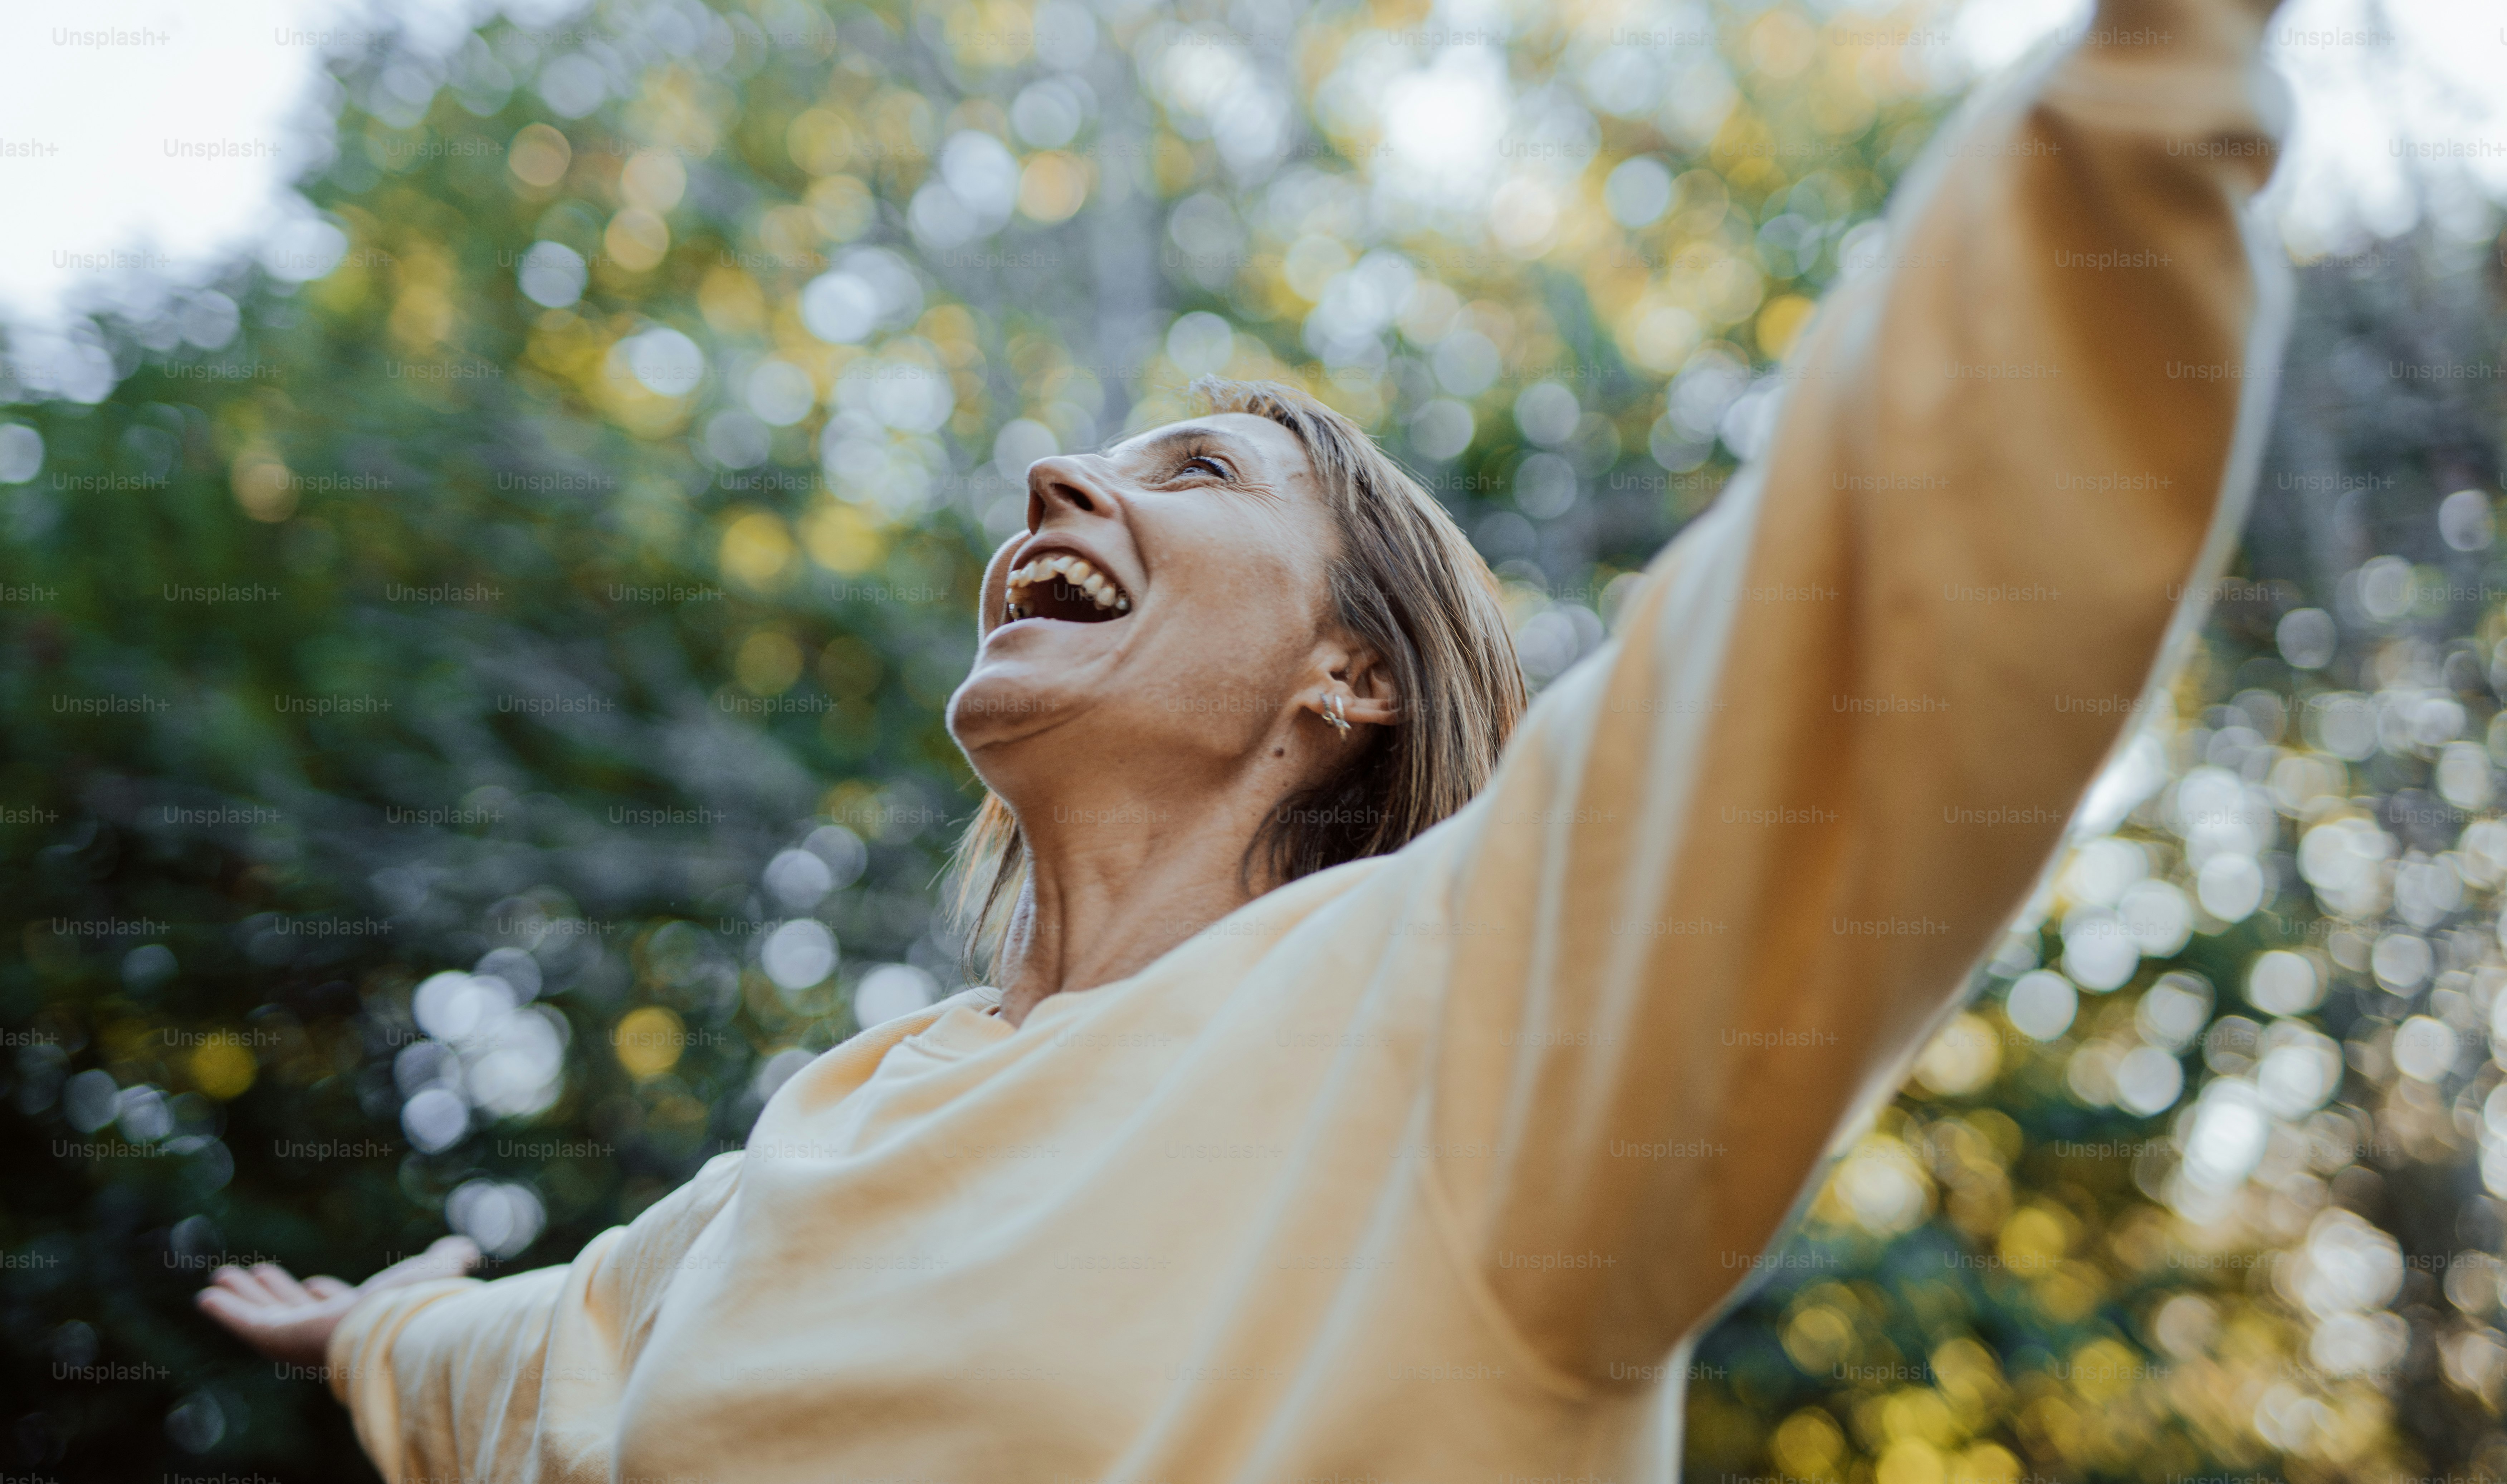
1357 683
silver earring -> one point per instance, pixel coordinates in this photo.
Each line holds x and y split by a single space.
1335 715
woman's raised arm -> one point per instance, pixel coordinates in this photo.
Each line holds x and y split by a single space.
1734 867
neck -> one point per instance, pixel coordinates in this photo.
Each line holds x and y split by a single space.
1118 876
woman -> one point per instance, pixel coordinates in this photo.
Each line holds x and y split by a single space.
1323 1124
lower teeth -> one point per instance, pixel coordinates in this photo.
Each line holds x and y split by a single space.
1120 605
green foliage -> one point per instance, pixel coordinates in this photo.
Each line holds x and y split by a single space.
437 695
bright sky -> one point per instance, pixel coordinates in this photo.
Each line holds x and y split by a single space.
149 141
167 129
92 95
2366 76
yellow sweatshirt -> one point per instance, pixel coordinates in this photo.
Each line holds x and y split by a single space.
1423 1170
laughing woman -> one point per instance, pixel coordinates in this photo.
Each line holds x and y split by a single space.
1367 1092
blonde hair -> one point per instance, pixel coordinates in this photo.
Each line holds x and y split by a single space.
1406 584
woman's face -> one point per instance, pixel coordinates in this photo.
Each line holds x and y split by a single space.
1166 612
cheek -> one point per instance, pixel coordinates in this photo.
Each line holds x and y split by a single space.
1243 637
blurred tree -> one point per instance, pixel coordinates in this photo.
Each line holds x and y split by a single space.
476 672
2211 1194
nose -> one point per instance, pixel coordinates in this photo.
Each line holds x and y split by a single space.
1066 482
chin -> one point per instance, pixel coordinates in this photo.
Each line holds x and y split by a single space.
997 705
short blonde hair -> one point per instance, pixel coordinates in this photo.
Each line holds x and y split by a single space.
1409 586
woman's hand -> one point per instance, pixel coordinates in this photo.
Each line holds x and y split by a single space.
290 1321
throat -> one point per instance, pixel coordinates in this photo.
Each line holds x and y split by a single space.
1089 917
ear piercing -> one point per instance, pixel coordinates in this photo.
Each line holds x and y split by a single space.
1336 713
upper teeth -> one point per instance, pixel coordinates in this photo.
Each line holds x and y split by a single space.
1073 570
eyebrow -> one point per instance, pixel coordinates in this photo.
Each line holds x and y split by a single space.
1175 437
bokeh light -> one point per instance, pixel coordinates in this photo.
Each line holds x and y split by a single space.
629 397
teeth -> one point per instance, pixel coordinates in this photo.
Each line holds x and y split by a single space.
1076 572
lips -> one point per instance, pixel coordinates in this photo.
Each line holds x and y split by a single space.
1067 587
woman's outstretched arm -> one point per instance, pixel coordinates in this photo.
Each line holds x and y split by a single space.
452 1378
523 1378
1763 835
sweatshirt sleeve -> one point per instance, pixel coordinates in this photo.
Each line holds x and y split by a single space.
1764 834
518 1378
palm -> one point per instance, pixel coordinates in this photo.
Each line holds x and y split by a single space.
291 1320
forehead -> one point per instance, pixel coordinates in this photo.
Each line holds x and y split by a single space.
1264 449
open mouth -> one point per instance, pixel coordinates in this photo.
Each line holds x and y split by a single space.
1065 587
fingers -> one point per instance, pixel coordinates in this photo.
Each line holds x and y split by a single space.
448 1258
287 1320
226 1309
249 1300
245 1285
251 1320
282 1283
